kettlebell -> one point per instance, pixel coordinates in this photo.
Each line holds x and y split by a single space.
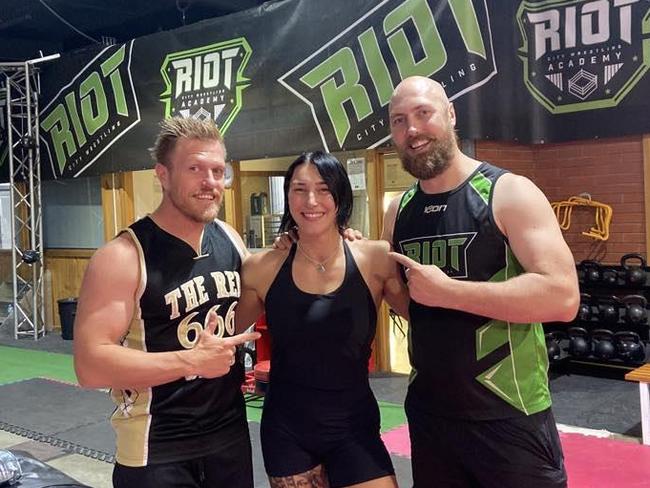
579 345
608 309
629 346
584 310
634 275
603 344
553 345
609 276
591 271
635 309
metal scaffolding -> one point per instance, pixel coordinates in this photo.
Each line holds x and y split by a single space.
20 89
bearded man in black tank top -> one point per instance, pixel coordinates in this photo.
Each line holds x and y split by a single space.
320 424
485 263
155 324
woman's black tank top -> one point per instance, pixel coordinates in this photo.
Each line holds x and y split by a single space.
320 341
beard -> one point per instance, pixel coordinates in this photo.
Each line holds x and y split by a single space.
432 163
199 214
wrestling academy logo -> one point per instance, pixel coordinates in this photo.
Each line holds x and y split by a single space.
583 55
206 82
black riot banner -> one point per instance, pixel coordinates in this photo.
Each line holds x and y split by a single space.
297 75
404 39
91 113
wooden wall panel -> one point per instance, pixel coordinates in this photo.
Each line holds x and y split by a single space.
6 266
67 267
232 201
374 187
117 203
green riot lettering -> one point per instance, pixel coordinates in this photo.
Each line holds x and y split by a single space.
334 96
93 97
444 253
418 12
74 117
68 130
57 124
376 66
468 26
109 68
339 76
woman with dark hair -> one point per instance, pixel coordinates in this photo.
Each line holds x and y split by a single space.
320 424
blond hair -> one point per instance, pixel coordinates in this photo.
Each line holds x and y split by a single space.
174 128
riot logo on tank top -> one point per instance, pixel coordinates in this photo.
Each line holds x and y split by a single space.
448 252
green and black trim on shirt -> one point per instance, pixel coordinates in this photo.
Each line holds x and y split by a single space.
465 365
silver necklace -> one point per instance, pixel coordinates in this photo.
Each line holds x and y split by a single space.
320 265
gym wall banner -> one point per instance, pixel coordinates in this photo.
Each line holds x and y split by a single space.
297 75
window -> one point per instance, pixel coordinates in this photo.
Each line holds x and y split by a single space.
72 213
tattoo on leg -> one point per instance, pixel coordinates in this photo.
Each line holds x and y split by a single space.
314 478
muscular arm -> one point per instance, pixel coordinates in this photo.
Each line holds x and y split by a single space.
106 306
389 220
548 288
394 291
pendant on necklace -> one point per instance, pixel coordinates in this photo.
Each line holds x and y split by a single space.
320 268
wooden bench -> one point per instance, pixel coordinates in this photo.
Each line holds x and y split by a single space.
642 375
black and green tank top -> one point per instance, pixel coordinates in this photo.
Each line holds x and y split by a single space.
465 365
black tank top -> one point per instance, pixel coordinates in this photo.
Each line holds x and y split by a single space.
188 417
320 341
465 365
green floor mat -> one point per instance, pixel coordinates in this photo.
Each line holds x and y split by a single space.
392 415
254 407
21 364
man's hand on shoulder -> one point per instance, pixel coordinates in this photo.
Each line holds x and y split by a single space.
284 240
350 234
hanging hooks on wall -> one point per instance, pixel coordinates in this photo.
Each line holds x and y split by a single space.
603 215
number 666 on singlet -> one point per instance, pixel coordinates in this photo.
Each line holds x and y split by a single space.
186 325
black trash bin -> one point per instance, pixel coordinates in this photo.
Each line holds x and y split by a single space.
67 312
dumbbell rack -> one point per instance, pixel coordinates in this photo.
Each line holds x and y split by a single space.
601 291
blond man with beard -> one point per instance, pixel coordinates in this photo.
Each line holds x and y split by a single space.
155 323
485 263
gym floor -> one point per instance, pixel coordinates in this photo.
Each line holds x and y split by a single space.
45 414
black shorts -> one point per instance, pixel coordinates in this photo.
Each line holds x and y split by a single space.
303 427
231 467
522 452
